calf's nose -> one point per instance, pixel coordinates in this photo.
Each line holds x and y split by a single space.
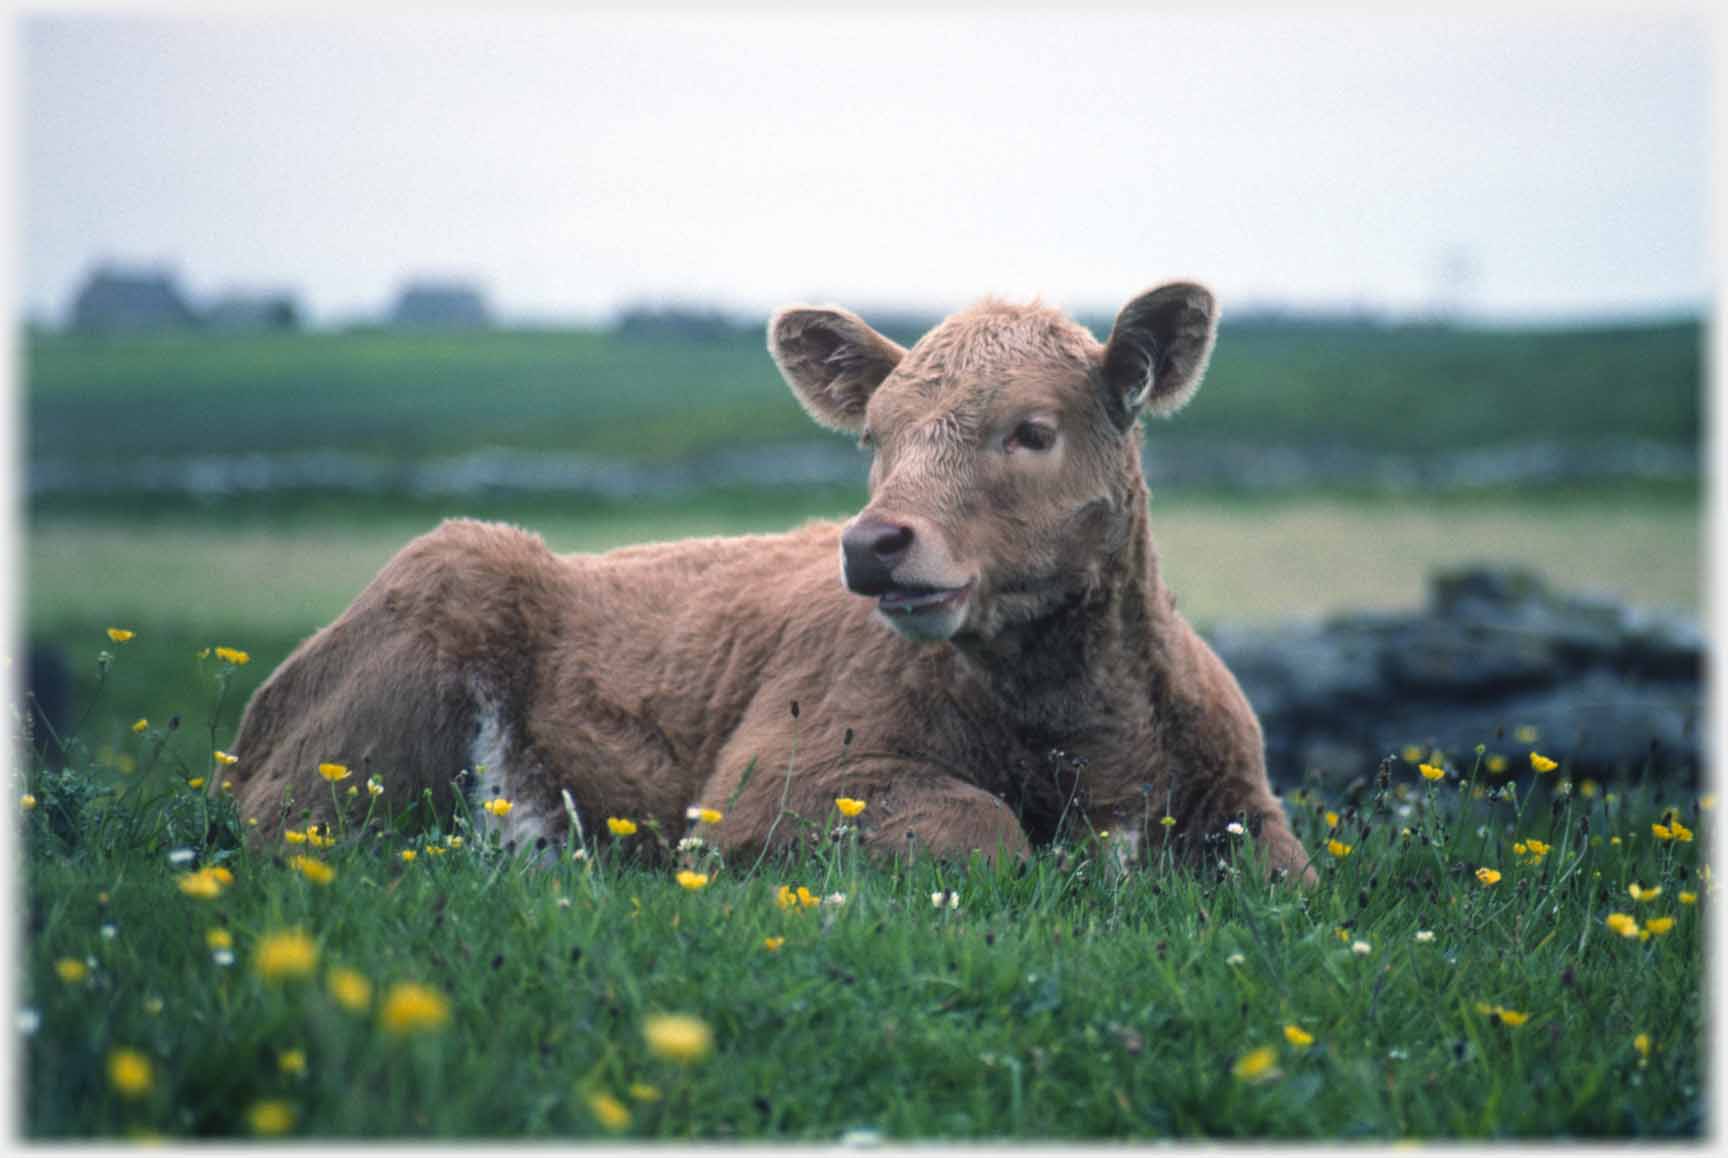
870 549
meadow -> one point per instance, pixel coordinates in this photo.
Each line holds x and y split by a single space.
177 982
1485 956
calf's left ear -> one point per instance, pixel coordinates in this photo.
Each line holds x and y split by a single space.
1158 350
833 361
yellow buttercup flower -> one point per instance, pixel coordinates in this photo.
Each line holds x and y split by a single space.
294 836
618 826
130 1073
195 782
410 1007
219 939
1639 893
1659 925
609 1111
350 989
1509 1017
71 970
286 955
1429 772
1411 753
272 1116
498 806
1541 763
1497 764
1680 831
291 1061
1257 1065
644 1092
1587 788
1526 734
233 655
1641 1043
334 772
225 759
120 634
1168 821
693 880
1622 924
27 802
1338 848
704 815
314 869
678 1037
205 884
408 855
1488 876
772 944
141 725
849 806
1688 898
1298 1037
1661 831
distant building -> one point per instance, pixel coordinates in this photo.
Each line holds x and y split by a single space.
674 324
273 311
431 305
115 301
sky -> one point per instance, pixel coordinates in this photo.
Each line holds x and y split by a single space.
1527 165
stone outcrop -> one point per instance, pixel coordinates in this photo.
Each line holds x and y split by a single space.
1611 691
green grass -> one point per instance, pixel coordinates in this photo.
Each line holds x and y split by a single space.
407 396
1057 1001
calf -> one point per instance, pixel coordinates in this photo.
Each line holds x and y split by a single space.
986 653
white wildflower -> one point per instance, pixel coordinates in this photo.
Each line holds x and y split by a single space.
691 844
946 897
181 856
1234 828
29 1021
109 932
1235 959
223 957
1424 935
834 899
1361 948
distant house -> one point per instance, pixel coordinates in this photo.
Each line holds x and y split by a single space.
272 311
116 301
429 305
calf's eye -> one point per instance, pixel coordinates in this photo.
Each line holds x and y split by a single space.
1034 436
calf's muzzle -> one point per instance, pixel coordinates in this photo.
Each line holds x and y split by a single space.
870 549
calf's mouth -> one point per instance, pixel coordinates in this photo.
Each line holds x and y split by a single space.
911 599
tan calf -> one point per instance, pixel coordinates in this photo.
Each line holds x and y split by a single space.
986 653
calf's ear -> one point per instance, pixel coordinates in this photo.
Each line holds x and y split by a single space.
1158 350
832 360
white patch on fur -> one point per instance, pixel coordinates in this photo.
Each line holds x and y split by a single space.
495 777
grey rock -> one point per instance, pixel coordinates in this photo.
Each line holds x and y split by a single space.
1612 691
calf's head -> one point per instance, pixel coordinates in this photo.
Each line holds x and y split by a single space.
1005 447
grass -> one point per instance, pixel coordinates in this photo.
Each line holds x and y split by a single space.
407 396
1055 1001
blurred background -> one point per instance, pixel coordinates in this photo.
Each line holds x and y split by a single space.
296 288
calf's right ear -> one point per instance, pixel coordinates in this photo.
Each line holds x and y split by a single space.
833 361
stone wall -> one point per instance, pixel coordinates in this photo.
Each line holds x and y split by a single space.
1611 691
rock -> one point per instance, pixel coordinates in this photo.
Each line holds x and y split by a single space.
1610 691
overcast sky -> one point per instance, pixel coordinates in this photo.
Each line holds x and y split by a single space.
1555 164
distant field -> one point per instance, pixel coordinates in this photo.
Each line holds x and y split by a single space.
404 396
